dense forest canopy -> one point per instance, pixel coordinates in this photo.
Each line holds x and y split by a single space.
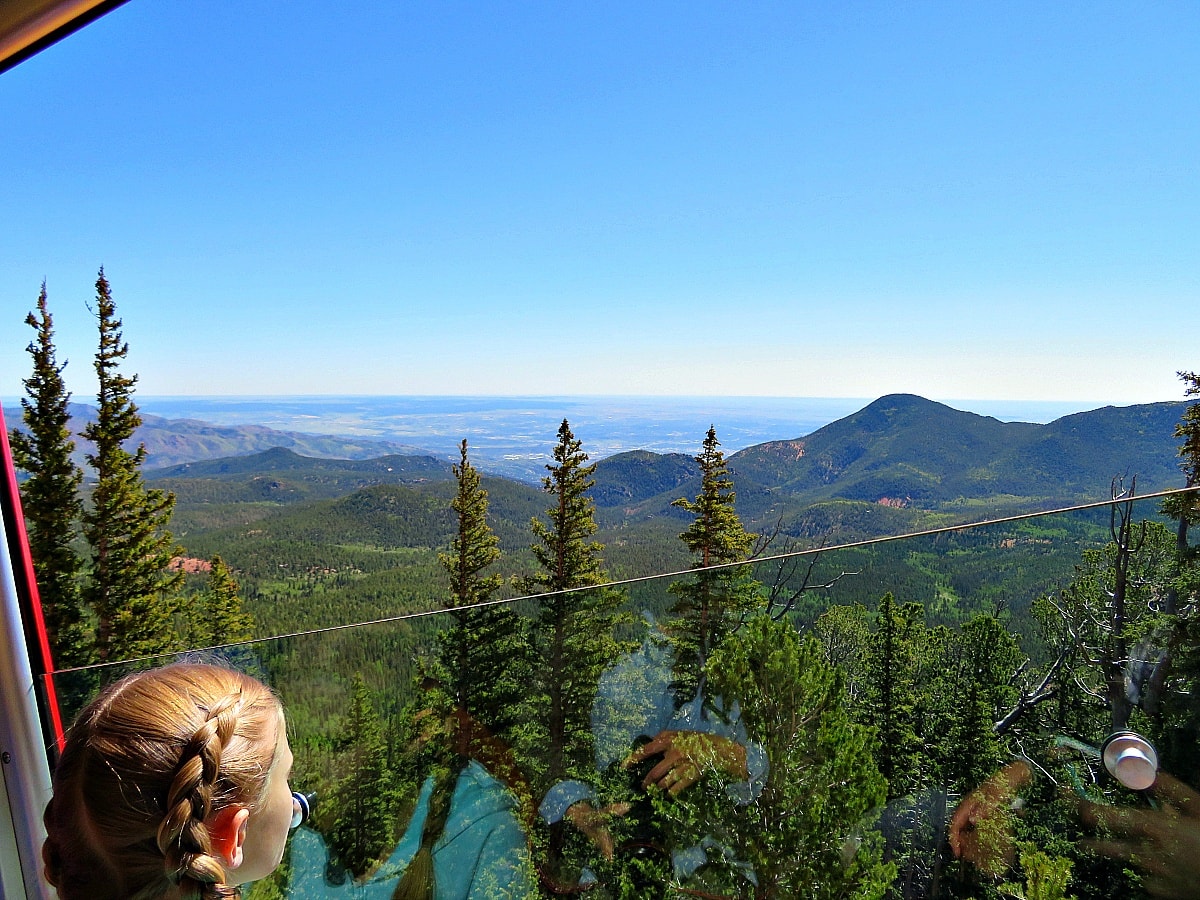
802 705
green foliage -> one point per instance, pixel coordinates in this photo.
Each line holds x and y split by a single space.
1176 730
707 608
1186 507
131 589
957 575
714 602
483 653
716 534
1046 877
981 667
572 634
1105 641
933 696
893 653
50 497
364 800
566 556
807 834
844 633
475 546
215 616
628 479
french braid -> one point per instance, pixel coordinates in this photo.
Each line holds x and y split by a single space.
182 836
144 766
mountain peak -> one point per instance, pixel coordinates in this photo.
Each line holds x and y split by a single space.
902 400
909 403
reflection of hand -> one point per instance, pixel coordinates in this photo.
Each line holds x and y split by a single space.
684 755
981 828
1164 844
594 822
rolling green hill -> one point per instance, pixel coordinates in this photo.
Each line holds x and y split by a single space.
393 469
241 489
630 478
172 442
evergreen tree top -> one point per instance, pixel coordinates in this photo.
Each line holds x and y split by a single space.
569 469
716 535
564 553
1189 429
117 416
474 546
50 497
1186 507
45 385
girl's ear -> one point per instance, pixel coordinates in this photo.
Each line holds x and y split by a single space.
227 828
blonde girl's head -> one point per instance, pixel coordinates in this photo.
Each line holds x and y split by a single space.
157 782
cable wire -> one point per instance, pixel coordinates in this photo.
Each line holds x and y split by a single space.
623 582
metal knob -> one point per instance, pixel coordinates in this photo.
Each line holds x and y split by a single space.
1130 759
301 808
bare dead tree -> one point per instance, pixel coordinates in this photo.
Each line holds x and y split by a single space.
1128 541
1031 696
1093 616
783 592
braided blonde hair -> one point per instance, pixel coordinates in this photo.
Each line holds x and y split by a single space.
145 766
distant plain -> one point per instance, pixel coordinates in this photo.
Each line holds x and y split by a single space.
512 433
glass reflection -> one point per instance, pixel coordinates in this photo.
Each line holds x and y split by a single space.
943 736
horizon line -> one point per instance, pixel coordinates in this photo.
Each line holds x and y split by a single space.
7 398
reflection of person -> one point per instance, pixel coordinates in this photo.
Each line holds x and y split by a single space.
980 829
173 782
635 700
1163 843
464 840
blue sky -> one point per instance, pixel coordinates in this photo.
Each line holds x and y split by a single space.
984 200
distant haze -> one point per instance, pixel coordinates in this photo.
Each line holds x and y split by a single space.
524 427
981 200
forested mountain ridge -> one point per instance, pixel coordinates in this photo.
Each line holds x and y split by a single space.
903 454
339 475
915 451
171 442
899 465
900 457
639 475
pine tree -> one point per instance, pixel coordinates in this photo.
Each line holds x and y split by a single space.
893 696
1110 607
808 834
987 658
901 664
1175 678
364 798
1185 508
483 653
131 589
216 616
572 634
845 634
713 603
50 497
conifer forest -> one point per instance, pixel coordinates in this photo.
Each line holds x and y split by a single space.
652 677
